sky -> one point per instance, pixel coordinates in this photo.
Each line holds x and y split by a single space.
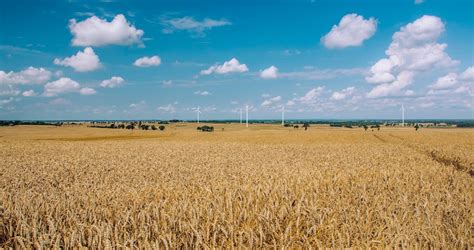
317 59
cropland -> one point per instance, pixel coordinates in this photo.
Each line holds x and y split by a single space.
259 187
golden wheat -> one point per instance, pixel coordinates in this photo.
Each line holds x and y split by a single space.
263 187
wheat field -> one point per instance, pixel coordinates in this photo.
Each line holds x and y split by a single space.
266 186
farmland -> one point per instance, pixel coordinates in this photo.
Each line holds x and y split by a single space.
264 186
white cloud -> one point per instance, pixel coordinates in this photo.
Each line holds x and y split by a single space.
5 101
269 73
404 79
8 90
341 95
31 75
352 30
138 105
270 101
170 108
63 85
454 83
29 93
409 92
311 95
191 25
204 93
230 66
148 61
82 61
468 74
446 81
98 32
167 82
413 50
59 102
113 82
381 72
290 103
87 91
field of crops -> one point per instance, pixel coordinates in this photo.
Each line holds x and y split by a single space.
259 187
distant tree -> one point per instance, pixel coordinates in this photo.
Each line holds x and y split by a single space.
161 127
130 126
199 128
377 126
306 126
207 129
365 127
153 127
417 127
296 127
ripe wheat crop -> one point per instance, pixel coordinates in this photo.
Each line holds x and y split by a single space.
263 187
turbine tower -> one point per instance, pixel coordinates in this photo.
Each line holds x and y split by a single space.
240 115
283 115
247 116
198 111
403 116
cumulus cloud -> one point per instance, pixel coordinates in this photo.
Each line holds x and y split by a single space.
5 102
139 105
413 49
270 101
65 85
269 73
352 30
195 27
311 95
83 61
204 93
113 82
231 66
446 81
99 32
468 74
170 108
404 79
31 75
454 83
381 72
341 95
8 90
87 91
59 102
167 82
148 61
29 93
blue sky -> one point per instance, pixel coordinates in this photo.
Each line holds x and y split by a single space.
163 59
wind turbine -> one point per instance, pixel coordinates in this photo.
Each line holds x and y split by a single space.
247 116
240 115
283 115
403 116
198 112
